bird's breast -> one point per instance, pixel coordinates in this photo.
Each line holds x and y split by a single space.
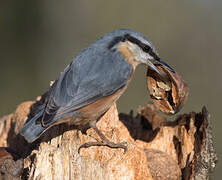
94 110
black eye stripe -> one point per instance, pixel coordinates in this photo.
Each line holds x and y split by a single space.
132 39
154 55
115 41
143 46
146 48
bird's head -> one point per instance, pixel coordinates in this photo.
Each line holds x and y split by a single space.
136 49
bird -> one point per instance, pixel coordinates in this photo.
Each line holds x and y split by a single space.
92 83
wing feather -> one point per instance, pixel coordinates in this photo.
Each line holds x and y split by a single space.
86 80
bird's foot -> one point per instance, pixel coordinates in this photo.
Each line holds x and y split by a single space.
105 141
108 144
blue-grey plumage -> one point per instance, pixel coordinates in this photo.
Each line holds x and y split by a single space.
31 130
94 80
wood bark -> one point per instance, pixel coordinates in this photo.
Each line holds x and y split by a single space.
157 149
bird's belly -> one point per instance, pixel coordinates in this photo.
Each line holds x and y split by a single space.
95 110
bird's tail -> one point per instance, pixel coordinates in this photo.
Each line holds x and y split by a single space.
32 130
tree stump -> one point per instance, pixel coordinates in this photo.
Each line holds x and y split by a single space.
157 149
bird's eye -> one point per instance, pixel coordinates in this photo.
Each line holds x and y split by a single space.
146 48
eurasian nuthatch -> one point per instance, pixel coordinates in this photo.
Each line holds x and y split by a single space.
93 82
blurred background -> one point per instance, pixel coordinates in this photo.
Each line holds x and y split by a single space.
39 38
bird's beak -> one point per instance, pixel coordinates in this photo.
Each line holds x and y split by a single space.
162 63
166 65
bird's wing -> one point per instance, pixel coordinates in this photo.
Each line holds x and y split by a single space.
86 80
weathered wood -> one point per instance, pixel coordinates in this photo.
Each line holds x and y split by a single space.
157 149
